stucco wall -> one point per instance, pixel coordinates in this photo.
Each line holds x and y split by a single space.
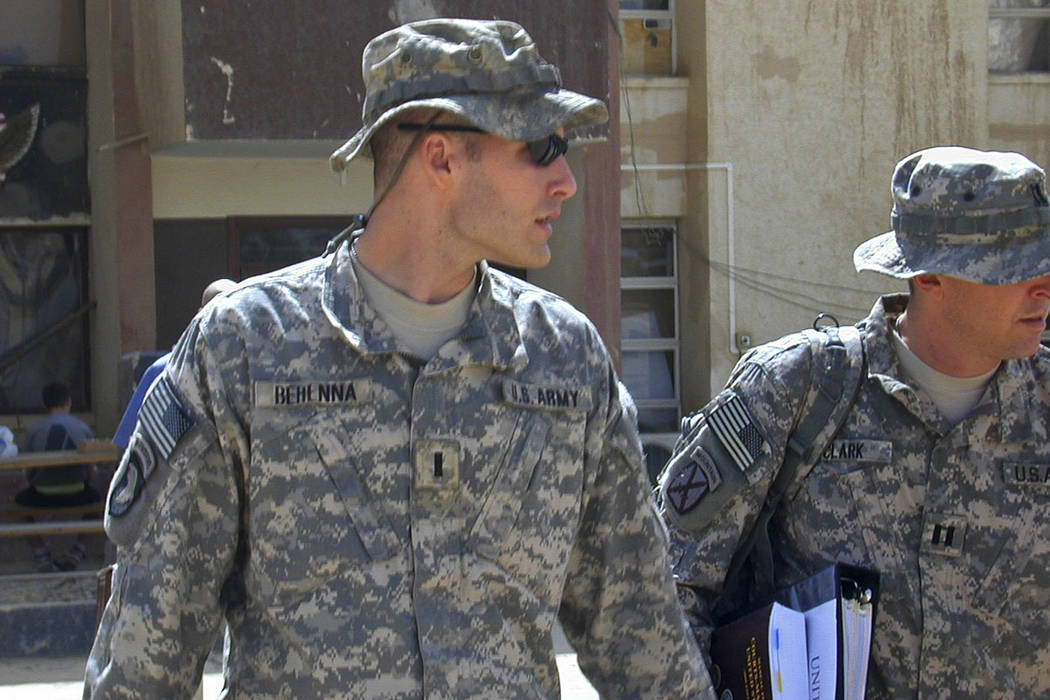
263 179
812 103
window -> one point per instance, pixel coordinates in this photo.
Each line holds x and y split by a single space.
43 315
192 253
648 37
649 323
1018 37
270 243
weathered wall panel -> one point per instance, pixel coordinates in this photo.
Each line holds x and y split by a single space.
281 70
812 103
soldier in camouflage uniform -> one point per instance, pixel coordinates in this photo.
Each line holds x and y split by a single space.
939 477
372 517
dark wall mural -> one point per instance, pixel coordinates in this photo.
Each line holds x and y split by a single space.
44 215
43 136
43 315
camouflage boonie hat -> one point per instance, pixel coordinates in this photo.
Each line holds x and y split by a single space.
981 216
488 73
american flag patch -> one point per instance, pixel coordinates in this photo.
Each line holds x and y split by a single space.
162 417
736 431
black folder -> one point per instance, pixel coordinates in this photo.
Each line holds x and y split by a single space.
838 604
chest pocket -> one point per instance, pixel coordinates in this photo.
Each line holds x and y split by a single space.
1015 588
528 519
500 512
311 516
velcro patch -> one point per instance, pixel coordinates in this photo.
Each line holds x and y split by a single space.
127 485
879 451
1027 475
555 398
693 480
943 534
436 464
732 425
320 392
162 419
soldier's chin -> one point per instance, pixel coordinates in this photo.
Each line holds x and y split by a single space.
536 261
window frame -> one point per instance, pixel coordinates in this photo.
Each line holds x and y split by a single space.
238 226
666 344
668 14
1034 13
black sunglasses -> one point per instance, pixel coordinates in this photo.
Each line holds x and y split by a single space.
544 151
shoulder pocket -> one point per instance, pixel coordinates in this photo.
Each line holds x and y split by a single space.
142 477
699 481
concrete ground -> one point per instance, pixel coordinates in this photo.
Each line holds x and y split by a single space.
61 678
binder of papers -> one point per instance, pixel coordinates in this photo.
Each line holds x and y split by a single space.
762 655
819 652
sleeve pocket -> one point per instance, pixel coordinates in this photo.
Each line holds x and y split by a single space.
698 482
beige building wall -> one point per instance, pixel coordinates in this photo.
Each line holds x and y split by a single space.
217 180
813 104
795 114
772 147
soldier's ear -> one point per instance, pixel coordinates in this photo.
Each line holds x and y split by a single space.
435 150
927 284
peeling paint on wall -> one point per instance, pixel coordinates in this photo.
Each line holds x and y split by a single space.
302 54
227 70
813 103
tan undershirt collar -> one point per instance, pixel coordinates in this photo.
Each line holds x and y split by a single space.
422 328
954 397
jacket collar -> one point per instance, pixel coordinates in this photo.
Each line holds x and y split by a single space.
1003 414
491 336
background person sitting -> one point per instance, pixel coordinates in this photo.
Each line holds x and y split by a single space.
57 487
8 448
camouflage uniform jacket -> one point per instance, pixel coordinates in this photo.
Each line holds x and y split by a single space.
370 526
954 518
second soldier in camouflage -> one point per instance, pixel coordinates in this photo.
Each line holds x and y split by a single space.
938 478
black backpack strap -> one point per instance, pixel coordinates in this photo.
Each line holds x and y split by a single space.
837 370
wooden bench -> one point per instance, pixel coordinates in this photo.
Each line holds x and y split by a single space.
73 522
67 526
52 527
16 511
94 452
